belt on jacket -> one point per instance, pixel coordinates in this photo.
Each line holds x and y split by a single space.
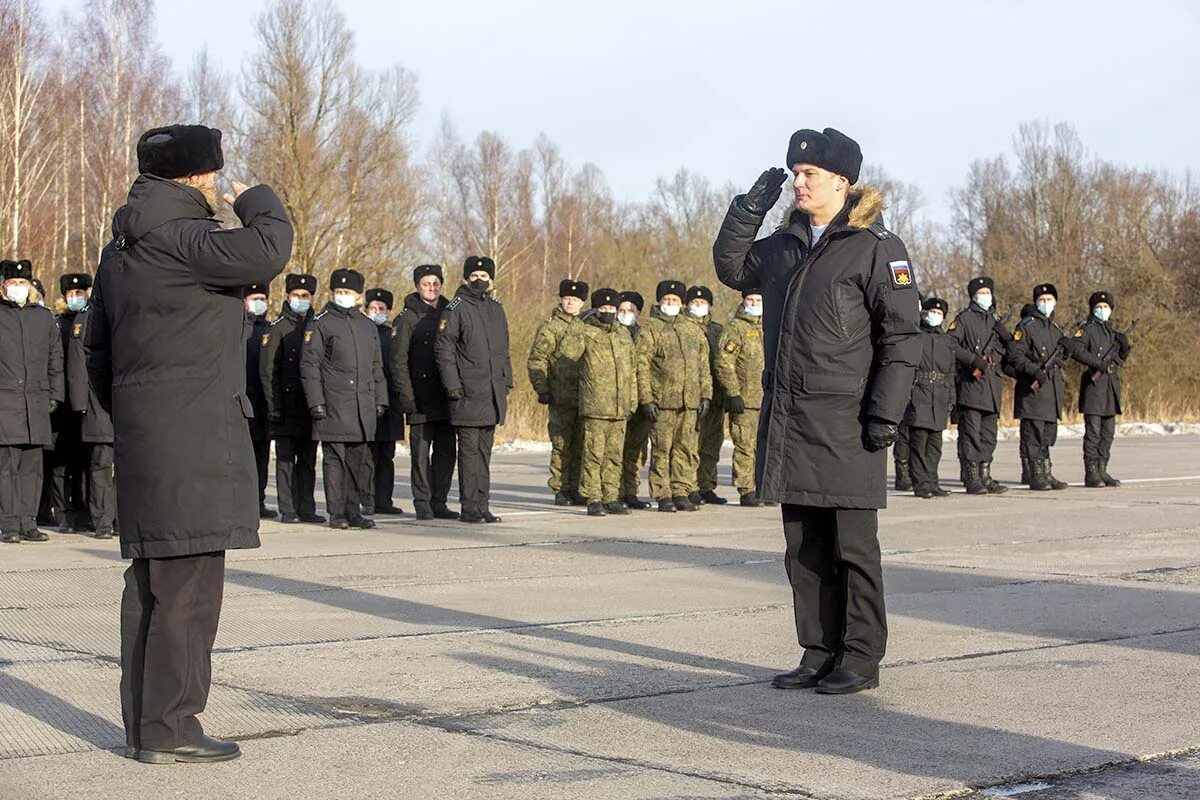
923 375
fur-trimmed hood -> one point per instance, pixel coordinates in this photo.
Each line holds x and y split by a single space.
865 204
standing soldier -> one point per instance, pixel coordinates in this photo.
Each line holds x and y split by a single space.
711 432
31 389
841 332
291 425
66 460
932 398
421 396
389 428
95 426
473 361
1037 358
674 390
607 396
258 337
341 369
739 370
555 378
979 384
637 429
1103 352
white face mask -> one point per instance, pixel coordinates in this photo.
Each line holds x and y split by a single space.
379 319
933 319
77 303
754 311
17 294
698 311
299 305
669 311
626 318
984 301
257 307
1046 307
1102 314
345 300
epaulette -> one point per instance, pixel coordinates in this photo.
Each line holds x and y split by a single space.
318 316
493 299
453 303
880 232
275 321
403 311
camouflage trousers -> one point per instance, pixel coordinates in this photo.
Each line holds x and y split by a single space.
743 429
633 457
603 443
566 442
712 436
674 453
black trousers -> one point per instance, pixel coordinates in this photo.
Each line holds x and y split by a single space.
169 616
977 434
431 474
833 564
262 455
1098 435
67 466
347 473
383 467
474 468
296 475
901 449
20 487
926 448
101 493
1037 437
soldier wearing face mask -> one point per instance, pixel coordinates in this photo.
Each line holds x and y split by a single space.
1037 358
739 367
928 411
66 461
637 429
291 425
712 422
1102 351
389 429
257 335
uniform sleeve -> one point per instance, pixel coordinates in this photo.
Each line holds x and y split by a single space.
55 370
255 253
1020 359
405 393
645 353
726 360
1079 347
735 253
573 343
311 353
540 354
268 372
445 350
895 311
97 343
382 395
706 377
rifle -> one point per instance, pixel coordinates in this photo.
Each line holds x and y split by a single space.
1097 373
1003 322
1058 352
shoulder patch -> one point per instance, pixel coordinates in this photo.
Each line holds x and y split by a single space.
76 330
901 273
266 339
442 324
953 325
731 346
307 336
1017 334
1079 333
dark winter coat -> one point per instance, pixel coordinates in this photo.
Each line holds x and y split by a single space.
840 325
31 373
1095 345
258 336
1036 354
984 342
933 387
389 427
472 358
65 423
414 368
341 368
279 371
95 426
166 353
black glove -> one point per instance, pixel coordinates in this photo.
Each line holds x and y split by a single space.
545 398
54 404
454 394
650 411
705 404
765 192
980 363
318 412
410 409
380 410
879 434
275 416
735 405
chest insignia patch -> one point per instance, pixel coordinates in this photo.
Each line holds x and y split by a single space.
307 337
1018 334
731 346
77 330
442 324
266 339
1079 333
901 273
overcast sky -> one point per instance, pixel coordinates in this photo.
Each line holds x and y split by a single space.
642 87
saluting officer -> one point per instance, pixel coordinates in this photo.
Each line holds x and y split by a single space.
341 369
711 434
421 395
472 358
637 429
555 378
31 389
291 425
257 338
1037 359
932 398
1103 352
389 429
739 369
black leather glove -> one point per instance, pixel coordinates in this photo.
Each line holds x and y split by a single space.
705 405
454 394
54 404
980 363
735 405
650 411
880 434
318 412
380 410
545 398
275 416
765 192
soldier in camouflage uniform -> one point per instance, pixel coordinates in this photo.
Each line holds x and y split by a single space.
739 367
712 424
556 381
607 396
637 429
674 389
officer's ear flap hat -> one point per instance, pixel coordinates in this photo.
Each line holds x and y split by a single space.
605 297
1044 288
982 282
570 288
476 263
256 288
938 303
665 288
307 282
1101 297
633 297
382 295
16 269
177 151
347 279
428 269
699 293
74 280
753 290
828 149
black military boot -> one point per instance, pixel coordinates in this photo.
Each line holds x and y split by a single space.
616 507
1039 471
985 477
903 476
923 491
1026 473
667 505
595 510
973 481
562 499
750 501
694 499
712 498
634 503
684 503
938 491
576 498
1109 480
1091 475
10 538
1054 482
442 511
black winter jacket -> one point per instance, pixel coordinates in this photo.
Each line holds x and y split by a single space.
472 358
984 341
341 368
95 425
933 387
279 371
31 373
414 368
1036 355
1096 345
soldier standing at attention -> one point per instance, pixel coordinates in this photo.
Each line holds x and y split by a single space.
932 398
257 339
739 368
389 428
712 422
637 429
555 378
1037 357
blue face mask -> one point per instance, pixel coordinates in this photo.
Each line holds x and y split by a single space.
379 319
1046 307
257 307
77 303
754 311
1102 313
299 305
984 301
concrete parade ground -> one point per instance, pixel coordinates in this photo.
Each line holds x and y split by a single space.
1042 645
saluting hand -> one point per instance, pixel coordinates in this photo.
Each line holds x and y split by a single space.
231 197
765 192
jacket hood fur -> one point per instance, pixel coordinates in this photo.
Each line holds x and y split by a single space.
866 208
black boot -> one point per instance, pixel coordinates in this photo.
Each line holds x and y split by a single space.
973 481
694 499
712 498
616 507
666 505
1054 482
903 476
595 510
1091 475
634 503
1039 470
562 499
923 491
685 503
576 498
1026 473
985 477
750 501
1109 480
938 491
